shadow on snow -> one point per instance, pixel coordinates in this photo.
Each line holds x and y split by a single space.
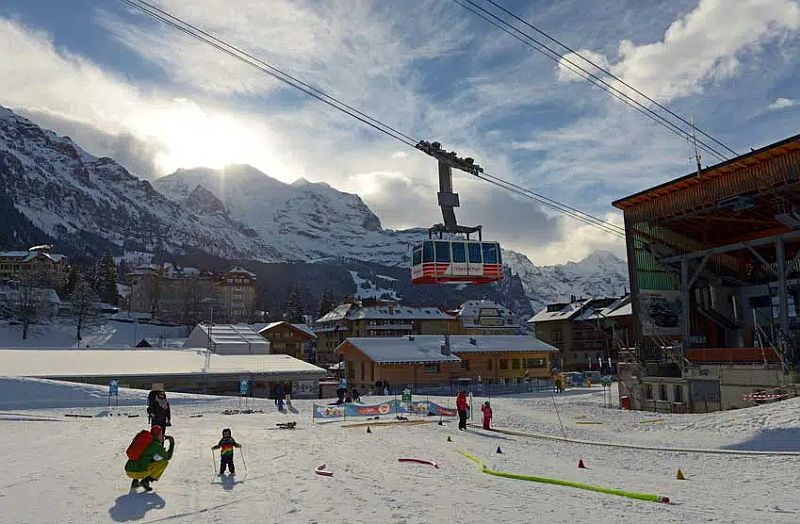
777 439
134 506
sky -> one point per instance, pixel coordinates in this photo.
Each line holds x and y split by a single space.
127 86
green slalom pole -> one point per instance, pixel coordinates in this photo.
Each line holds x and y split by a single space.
546 480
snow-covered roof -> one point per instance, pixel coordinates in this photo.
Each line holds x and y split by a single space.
493 343
48 295
620 307
145 362
337 313
299 327
400 313
394 312
428 348
485 314
398 350
239 269
30 255
564 313
623 311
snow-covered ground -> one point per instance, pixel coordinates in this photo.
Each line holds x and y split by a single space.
68 469
105 333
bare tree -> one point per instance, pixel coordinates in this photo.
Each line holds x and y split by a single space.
191 306
82 299
153 293
31 297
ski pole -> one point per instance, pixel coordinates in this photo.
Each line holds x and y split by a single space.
213 461
244 462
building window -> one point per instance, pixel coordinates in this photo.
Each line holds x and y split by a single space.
677 393
662 392
465 364
557 334
535 363
362 370
648 391
503 363
490 364
515 363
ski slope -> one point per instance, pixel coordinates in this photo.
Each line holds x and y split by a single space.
70 469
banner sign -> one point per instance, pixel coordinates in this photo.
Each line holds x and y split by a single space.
113 388
384 408
243 387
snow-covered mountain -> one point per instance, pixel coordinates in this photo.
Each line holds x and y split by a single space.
50 189
81 200
601 274
302 220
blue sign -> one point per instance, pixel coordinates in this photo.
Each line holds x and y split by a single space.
113 388
244 386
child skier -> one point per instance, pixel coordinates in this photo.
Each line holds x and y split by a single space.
226 445
487 415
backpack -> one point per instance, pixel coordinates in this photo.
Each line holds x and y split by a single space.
151 398
139 444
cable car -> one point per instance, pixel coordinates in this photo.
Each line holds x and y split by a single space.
456 261
442 260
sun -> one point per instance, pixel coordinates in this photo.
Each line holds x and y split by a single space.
191 136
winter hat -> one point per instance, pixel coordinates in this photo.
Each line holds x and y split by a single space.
157 432
226 432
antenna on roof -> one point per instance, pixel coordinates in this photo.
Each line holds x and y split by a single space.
696 151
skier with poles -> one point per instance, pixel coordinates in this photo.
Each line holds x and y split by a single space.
226 445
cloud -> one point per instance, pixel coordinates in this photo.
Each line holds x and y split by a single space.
136 155
588 61
705 45
782 103
476 91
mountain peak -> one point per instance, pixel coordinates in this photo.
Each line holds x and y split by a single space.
204 201
601 256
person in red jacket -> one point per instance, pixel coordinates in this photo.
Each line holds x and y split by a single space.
461 406
487 415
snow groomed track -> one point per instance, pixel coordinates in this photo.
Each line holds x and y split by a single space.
546 480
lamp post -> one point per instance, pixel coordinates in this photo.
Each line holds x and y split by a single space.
210 301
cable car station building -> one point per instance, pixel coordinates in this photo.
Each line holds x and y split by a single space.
714 264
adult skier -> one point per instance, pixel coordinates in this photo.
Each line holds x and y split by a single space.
461 406
150 465
158 412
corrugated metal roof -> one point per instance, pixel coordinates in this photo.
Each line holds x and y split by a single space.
144 362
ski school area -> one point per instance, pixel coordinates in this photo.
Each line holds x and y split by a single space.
552 458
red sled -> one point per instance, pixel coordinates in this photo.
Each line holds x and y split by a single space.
139 444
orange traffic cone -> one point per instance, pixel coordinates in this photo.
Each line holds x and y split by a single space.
581 465
680 476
